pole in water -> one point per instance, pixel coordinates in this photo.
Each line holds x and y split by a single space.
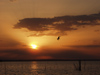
79 65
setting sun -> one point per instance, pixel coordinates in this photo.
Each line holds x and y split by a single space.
34 46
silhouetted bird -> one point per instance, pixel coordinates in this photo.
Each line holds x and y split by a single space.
58 38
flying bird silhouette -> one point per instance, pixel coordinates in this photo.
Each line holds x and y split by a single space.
58 38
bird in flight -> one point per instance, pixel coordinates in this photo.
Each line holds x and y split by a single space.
58 38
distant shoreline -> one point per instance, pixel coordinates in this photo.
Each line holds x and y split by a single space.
54 60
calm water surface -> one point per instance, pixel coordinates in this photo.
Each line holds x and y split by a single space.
49 68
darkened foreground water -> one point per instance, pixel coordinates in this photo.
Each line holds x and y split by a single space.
49 68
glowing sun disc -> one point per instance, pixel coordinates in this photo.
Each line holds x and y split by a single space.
34 46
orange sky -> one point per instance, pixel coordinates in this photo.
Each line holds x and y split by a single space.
26 22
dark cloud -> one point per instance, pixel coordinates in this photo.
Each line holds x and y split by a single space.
13 0
60 24
9 42
96 42
25 54
24 45
16 54
68 54
12 42
97 30
85 46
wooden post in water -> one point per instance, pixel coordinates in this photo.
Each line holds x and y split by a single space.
5 68
79 65
45 67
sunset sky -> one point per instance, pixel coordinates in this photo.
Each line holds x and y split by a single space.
29 29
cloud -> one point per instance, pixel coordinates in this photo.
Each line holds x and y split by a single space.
60 24
68 54
96 42
25 54
7 41
96 30
13 0
85 46
16 54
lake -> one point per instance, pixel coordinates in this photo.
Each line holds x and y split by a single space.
49 68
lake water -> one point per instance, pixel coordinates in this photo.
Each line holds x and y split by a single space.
49 68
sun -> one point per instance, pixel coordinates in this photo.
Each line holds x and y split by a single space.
34 46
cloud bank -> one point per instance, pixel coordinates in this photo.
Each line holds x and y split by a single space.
58 24
24 54
85 46
7 41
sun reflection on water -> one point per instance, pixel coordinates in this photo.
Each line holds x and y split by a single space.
34 65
